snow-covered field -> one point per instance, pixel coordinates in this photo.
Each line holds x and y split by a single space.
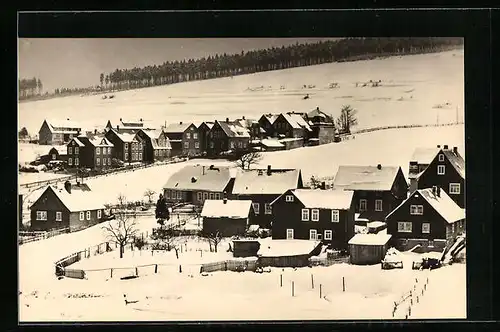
411 87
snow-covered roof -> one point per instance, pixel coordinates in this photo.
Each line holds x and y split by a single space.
175 128
370 239
234 209
270 142
78 200
365 177
296 121
61 149
277 248
77 141
98 141
424 156
234 129
456 161
125 137
63 126
324 199
375 224
198 177
257 181
291 139
442 204
357 217
271 117
152 133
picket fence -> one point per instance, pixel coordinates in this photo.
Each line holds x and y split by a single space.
27 237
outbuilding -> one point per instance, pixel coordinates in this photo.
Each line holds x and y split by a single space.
368 249
228 217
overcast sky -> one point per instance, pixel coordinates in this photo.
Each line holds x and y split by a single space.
64 62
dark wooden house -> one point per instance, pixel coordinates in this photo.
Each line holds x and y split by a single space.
228 217
447 171
420 159
203 130
89 152
197 183
67 207
368 249
126 126
426 216
56 132
377 189
322 126
184 139
291 125
155 145
55 153
314 214
262 187
126 146
226 136
266 122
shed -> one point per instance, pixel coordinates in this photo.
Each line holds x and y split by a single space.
245 248
287 253
368 249
228 217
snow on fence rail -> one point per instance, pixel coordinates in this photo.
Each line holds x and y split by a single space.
367 130
26 237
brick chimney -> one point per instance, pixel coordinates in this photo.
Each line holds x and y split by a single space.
434 190
379 166
438 191
243 117
455 150
95 131
269 170
439 146
67 186
227 120
180 122
117 128
445 147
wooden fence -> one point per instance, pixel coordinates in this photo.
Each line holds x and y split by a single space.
249 264
324 261
26 237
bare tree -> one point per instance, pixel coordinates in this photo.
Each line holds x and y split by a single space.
213 238
123 228
314 182
245 159
347 119
149 193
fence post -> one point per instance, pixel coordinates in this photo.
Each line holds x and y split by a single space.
156 268
180 269
111 273
343 284
320 291
281 280
225 266
136 271
312 281
293 290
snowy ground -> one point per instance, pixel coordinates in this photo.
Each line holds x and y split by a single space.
411 87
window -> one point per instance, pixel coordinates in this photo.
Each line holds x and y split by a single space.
140 146
205 196
167 194
441 169
70 161
217 195
88 215
199 196
289 234
179 195
362 205
212 145
328 235
268 208
244 145
455 188
315 215
239 144
417 210
231 144
126 146
289 198
126 155
98 161
82 215
305 214
41 215
104 161
76 150
156 153
109 161
430 243
404 227
140 155
70 150
378 205
99 214
58 216
197 145
77 161
212 196
426 228
256 207
313 234
54 156
195 135
98 151
186 145
188 135
441 157
335 216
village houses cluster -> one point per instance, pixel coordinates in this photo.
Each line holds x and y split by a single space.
430 210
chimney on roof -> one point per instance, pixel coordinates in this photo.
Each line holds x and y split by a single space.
445 147
67 119
434 190
269 170
140 119
439 146
117 128
180 122
227 120
67 186
243 117
379 166
317 109
95 131
455 150
438 191
121 119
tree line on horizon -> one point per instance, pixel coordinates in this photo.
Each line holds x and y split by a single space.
29 87
274 58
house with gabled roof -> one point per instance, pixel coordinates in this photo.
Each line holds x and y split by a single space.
184 139
194 184
227 217
426 216
266 122
292 126
203 130
57 132
377 189
227 136
420 159
126 146
92 151
322 125
262 187
126 126
66 207
447 171
314 214
155 145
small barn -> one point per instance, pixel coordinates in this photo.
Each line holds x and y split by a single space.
287 253
245 248
368 249
228 217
